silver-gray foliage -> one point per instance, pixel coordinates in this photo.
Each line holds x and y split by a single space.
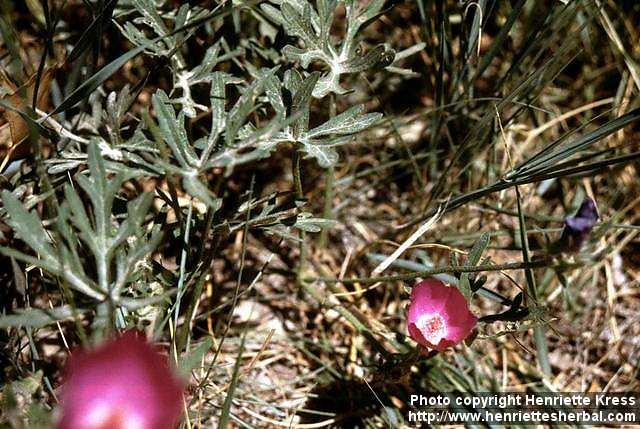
95 246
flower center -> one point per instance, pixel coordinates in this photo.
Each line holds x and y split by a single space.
111 416
432 327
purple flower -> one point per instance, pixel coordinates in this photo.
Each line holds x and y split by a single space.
577 228
123 384
438 316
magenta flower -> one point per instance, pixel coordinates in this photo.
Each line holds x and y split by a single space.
438 316
123 384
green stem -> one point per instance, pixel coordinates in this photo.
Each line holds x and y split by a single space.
540 339
297 182
181 279
327 210
442 270
183 336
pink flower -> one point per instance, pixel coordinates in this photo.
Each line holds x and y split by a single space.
438 316
122 384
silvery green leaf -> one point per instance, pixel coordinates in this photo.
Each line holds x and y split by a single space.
194 358
138 38
150 16
257 146
377 57
182 15
330 82
325 14
403 72
127 263
301 104
272 13
300 6
61 165
137 209
139 167
299 24
305 56
418 47
51 266
196 188
182 80
80 216
306 222
330 141
201 143
38 318
217 97
325 155
173 130
313 28
101 193
231 54
117 106
370 11
292 80
323 150
473 259
68 247
133 304
29 228
139 142
303 91
246 131
201 73
204 72
245 104
232 157
273 90
349 122
102 235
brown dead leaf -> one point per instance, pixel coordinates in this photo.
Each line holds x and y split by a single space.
13 129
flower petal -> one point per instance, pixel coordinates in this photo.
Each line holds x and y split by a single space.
460 321
428 296
431 298
444 344
125 382
415 333
460 328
